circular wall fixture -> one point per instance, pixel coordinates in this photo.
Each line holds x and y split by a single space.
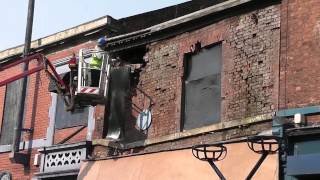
5 175
144 120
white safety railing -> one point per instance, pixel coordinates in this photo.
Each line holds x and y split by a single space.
84 71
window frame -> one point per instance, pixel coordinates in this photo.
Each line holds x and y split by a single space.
61 68
187 56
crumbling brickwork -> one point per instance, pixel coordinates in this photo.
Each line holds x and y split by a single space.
158 86
270 61
254 43
250 45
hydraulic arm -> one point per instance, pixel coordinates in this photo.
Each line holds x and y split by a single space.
42 64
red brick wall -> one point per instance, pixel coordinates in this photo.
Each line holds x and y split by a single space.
18 171
300 52
249 75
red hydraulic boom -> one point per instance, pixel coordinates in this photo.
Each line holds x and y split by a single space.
42 64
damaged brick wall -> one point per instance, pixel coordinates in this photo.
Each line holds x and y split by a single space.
250 45
254 43
157 88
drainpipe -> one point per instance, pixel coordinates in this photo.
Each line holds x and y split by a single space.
15 156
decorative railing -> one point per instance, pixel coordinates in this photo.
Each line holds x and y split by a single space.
63 157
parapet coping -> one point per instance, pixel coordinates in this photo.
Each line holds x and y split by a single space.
56 37
188 133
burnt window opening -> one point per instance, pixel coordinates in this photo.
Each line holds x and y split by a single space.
202 87
136 58
133 55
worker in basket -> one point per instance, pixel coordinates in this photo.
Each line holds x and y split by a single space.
96 62
69 78
73 66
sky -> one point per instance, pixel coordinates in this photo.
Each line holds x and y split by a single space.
51 16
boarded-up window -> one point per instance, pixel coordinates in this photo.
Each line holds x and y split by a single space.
202 88
10 114
65 119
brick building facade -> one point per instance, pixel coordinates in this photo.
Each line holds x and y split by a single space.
209 72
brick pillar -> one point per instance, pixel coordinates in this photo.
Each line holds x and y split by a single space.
99 116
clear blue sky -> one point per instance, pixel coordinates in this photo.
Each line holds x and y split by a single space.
55 15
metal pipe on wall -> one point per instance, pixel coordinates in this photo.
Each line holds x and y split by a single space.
25 66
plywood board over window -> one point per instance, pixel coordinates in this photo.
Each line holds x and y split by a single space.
65 119
202 88
10 114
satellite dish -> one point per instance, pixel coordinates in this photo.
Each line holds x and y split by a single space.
5 175
144 120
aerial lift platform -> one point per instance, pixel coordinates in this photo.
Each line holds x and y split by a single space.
78 90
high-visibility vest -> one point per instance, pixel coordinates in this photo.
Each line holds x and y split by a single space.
96 62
